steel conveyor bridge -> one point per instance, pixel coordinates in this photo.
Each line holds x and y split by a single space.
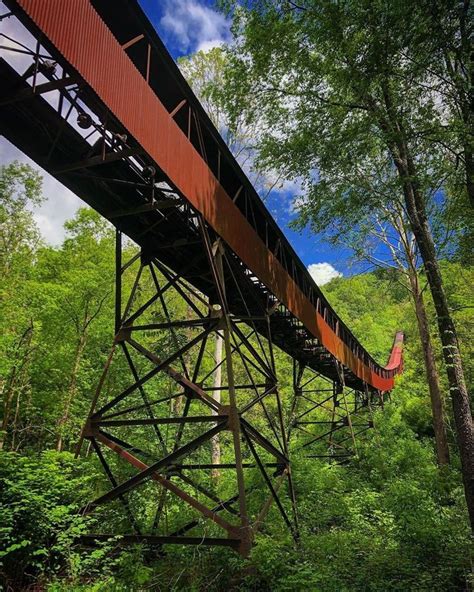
90 93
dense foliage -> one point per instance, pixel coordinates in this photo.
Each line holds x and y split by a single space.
388 520
374 113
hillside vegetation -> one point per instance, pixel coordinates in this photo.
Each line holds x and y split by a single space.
389 519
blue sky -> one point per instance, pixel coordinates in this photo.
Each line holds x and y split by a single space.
187 26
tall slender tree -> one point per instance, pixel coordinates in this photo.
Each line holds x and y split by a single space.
89 243
449 42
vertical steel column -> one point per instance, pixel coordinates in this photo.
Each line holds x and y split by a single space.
234 419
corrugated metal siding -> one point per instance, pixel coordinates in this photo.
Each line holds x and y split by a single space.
88 45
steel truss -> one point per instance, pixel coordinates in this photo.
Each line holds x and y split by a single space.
326 416
171 406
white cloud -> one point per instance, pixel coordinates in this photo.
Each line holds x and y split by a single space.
322 273
209 44
60 203
193 25
294 205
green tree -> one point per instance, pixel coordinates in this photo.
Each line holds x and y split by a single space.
381 236
20 190
449 41
334 86
80 276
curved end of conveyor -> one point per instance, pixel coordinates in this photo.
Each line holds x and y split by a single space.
395 360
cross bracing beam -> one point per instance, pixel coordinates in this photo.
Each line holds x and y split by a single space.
324 426
177 458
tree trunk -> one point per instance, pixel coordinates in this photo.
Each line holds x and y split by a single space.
12 384
71 391
215 442
437 403
460 398
7 401
16 417
469 166
467 98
